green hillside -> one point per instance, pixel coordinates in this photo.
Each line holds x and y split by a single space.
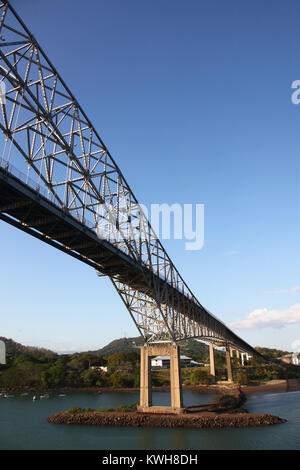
118 346
39 368
14 349
271 353
191 348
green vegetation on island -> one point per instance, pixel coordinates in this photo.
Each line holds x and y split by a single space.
120 409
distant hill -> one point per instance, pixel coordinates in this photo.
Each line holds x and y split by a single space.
14 349
118 346
271 353
189 348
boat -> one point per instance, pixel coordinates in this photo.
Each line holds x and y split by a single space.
44 396
33 398
62 395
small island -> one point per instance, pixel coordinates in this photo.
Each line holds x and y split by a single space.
226 411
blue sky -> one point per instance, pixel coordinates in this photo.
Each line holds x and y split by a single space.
193 99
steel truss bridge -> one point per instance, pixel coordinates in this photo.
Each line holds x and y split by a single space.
60 184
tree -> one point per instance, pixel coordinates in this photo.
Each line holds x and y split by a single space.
199 376
53 376
129 358
79 362
92 378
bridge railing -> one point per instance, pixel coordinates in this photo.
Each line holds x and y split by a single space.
37 187
9 168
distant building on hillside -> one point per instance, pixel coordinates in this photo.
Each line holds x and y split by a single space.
99 368
290 359
163 362
198 364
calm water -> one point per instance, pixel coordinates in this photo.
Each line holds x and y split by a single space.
23 425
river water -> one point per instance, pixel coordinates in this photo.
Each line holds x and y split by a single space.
23 425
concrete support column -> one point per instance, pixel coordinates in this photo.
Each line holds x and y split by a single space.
145 379
212 363
228 363
243 358
175 376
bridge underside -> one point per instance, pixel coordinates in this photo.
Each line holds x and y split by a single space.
151 301
34 214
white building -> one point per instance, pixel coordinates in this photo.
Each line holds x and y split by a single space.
290 359
295 359
163 362
99 368
243 356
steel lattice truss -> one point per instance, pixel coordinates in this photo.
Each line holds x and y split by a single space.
47 140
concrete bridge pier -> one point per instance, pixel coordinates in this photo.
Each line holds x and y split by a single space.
237 353
228 363
243 356
228 356
173 352
212 363
145 379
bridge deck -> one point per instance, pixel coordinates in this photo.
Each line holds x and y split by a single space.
31 212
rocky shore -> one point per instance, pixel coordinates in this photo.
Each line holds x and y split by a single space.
135 419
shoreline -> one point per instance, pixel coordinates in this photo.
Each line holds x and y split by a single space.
273 386
163 388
